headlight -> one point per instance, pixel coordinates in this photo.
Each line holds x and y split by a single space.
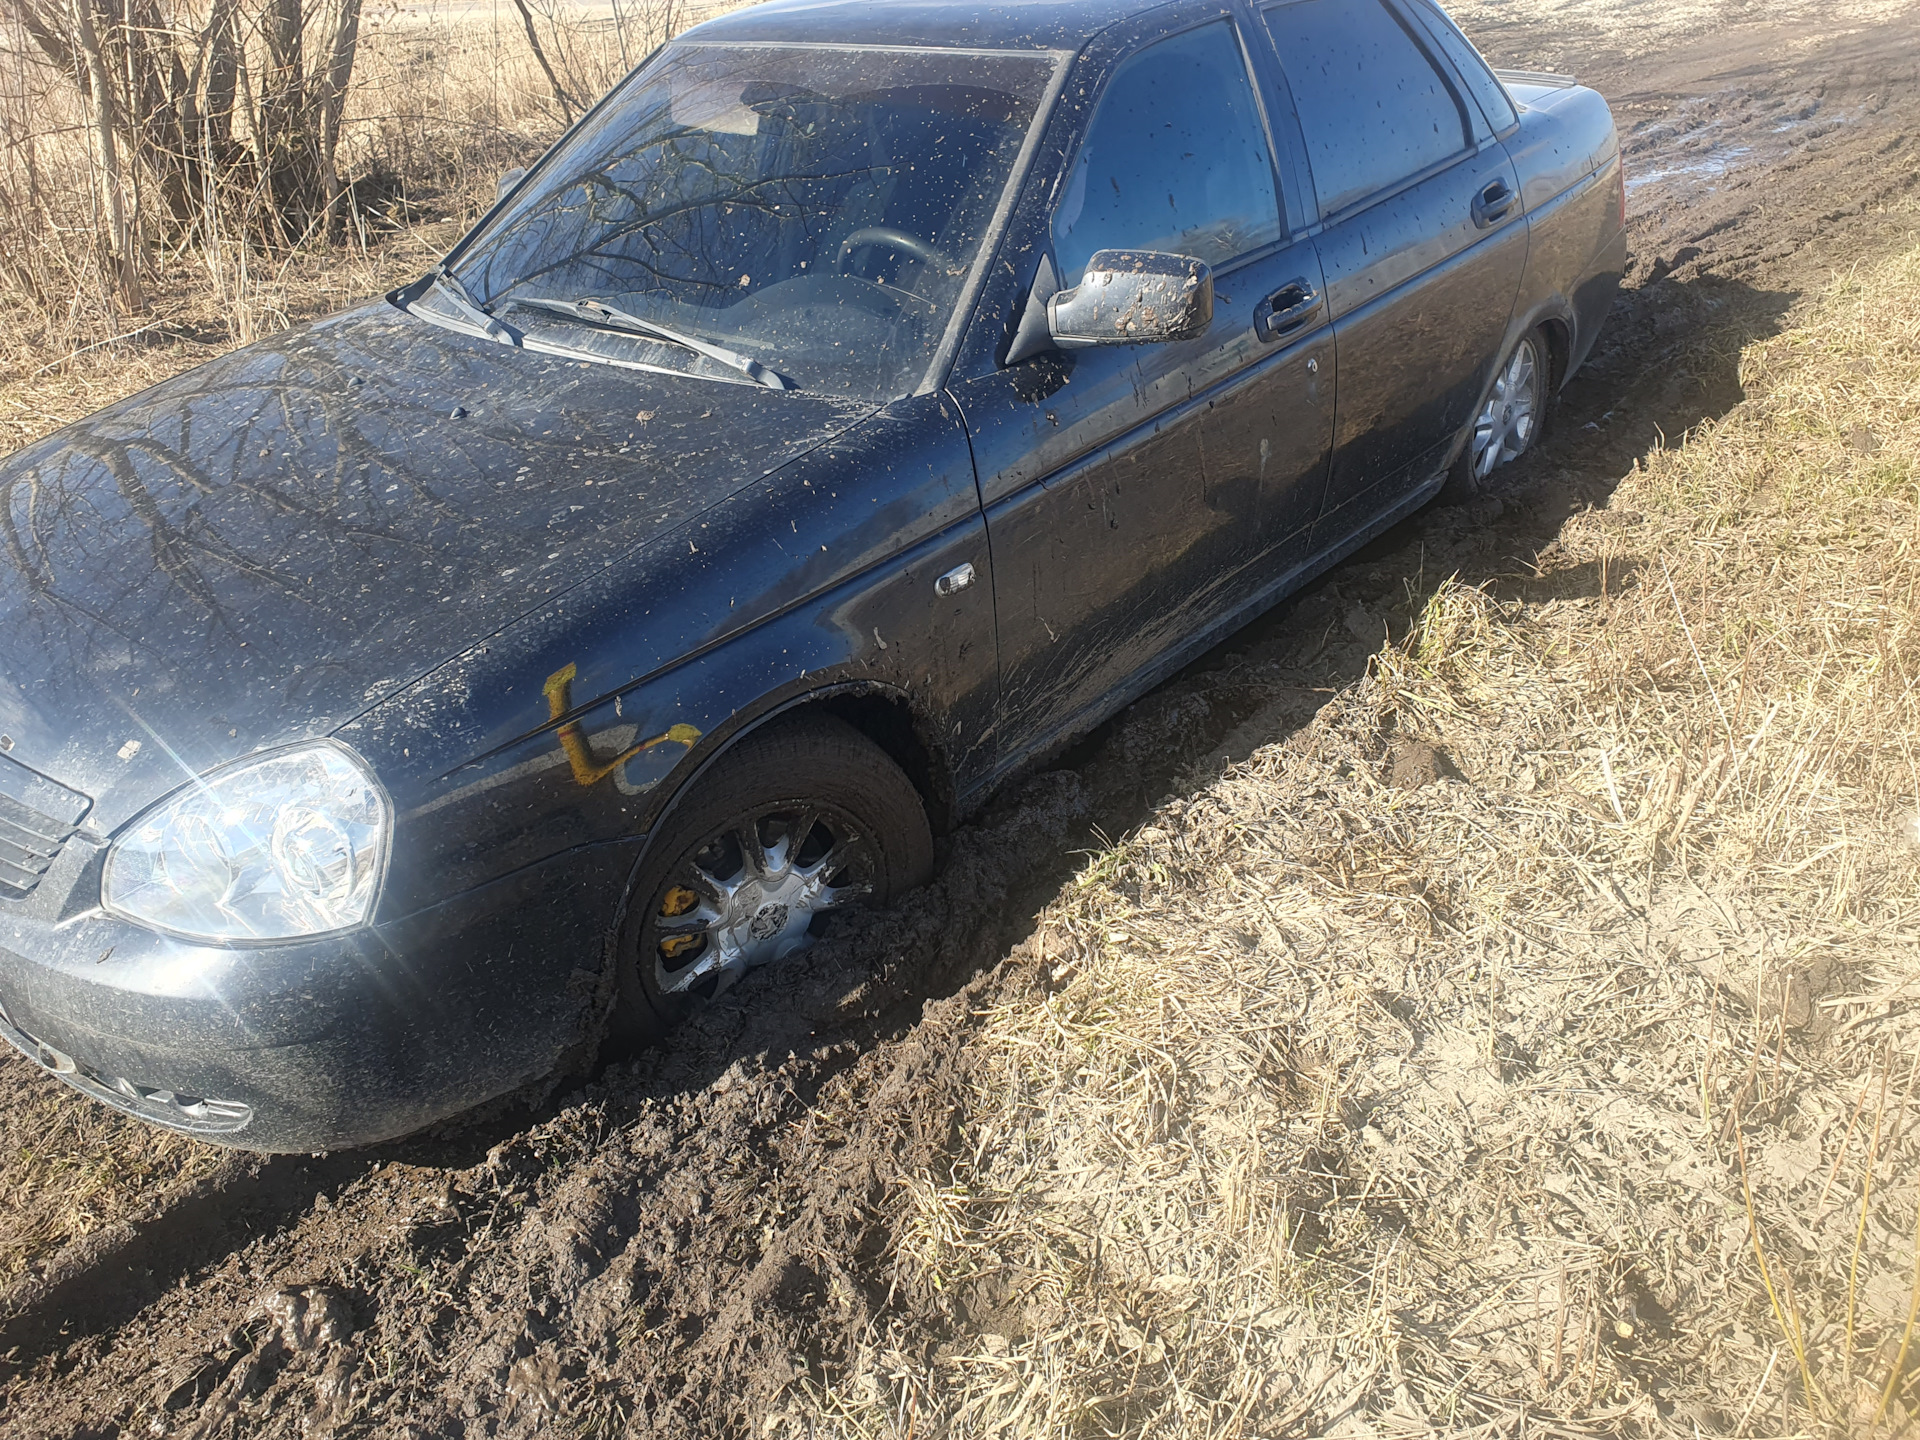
288 845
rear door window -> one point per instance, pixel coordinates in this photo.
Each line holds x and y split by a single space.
1374 109
1174 159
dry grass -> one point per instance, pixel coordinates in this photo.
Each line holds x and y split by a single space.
84 1167
1569 1098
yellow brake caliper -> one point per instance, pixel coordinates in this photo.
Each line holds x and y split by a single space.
678 901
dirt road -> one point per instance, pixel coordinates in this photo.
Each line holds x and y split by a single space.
682 1246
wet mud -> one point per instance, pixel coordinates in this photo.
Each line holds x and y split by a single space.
684 1245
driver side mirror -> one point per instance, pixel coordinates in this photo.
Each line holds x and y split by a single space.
1133 297
1126 297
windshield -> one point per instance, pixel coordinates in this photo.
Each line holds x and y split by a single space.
815 208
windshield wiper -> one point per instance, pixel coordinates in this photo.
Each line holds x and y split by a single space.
601 313
456 295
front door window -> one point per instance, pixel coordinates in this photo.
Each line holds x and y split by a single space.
1175 159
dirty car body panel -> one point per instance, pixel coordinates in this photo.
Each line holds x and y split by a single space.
518 575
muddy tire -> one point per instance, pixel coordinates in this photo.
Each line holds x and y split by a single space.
798 820
1510 421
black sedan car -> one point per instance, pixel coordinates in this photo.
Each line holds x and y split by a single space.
393 707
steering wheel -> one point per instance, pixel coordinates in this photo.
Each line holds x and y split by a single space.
894 240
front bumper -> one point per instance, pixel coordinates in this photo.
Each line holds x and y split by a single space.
316 1045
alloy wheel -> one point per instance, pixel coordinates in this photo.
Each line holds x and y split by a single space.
750 895
1508 420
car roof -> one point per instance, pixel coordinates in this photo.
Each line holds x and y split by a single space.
1003 25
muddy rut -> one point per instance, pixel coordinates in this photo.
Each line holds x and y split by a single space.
683 1245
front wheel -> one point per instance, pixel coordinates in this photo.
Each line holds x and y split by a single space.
1510 420
804 818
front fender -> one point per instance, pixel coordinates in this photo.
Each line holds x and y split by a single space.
581 724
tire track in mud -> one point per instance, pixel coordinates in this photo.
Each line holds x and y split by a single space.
681 1246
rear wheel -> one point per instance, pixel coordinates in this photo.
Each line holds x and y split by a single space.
1510 419
800 820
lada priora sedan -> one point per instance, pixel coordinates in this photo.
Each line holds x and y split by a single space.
863 400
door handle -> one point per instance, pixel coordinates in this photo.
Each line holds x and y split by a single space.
1493 204
1287 309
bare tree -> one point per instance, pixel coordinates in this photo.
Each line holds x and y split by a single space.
560 95
330 99
123 261
195 117
220 62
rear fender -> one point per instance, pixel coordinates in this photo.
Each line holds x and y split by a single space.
1556 315
1568 155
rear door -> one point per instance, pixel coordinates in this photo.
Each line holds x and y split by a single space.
1423 246
1140 497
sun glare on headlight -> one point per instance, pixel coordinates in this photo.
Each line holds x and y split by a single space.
288 845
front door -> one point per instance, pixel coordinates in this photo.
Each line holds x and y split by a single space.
1139 498
1424 245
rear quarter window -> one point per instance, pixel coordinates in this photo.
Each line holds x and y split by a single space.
1373 108
1492 96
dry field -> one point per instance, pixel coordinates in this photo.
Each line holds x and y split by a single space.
1480 998
1645 29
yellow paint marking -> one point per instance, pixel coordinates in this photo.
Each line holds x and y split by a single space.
587 770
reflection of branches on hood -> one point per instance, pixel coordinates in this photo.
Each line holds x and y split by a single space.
40 579
339 414
38 576
170 549
310 387
279 500
81 637
297 402
349 475
174 547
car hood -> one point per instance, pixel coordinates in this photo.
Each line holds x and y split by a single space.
260 549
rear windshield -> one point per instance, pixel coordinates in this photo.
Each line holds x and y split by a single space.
818 208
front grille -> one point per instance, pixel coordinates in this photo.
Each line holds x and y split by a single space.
36 819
